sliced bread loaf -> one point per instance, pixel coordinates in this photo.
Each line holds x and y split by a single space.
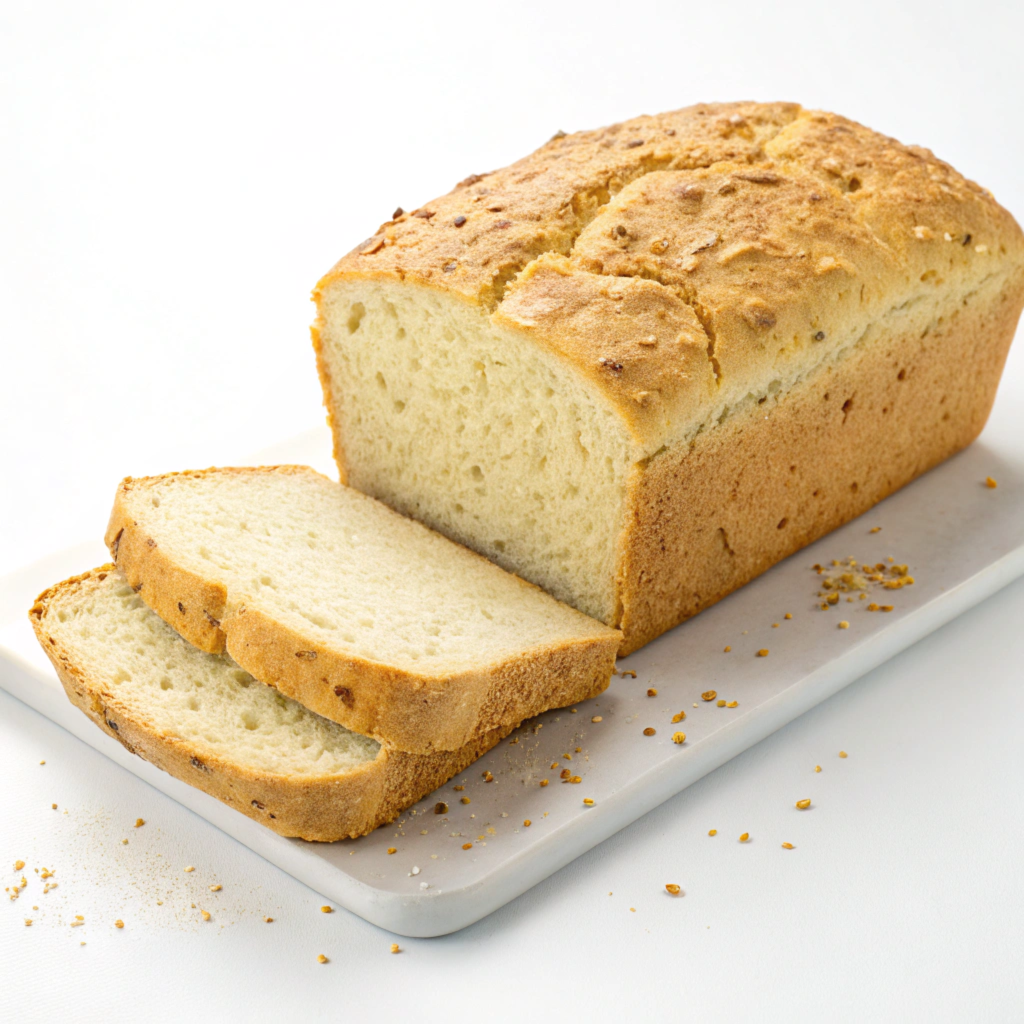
366 617
207 721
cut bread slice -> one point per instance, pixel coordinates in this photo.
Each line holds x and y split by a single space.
366 617
205 720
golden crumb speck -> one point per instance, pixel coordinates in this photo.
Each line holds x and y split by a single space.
395 948
726 649
139 822
733 704
787 846
679 737
588 802
321 959
597 718
788 615
842 753
215 888
268 920
465 800
678 717
720 702
989 482
458 789
326 910
672 889
709 695
527 823
713 832
18 865
649 731
391 850
817 767
189 868
543 782
28 922
844 624
119 923
775 625
804 804
205 915
763 653
652 692
744 837
875 529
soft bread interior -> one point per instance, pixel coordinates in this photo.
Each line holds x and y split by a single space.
484 436
205 700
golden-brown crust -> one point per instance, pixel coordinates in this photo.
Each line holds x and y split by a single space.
709 516
321 808
416 712
783 229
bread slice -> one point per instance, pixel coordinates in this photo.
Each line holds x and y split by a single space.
208 722
366 617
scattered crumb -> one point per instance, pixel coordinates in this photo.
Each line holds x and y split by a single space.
124 842
763 653
215 888
526 824
464 800
588 802
119 923
392 849
18 865
327 910
733 704
321 959
989 482
458 789
189 868
713 832
269 920
787 846
28 922
53 806
628 673
672 889
720 702
727 649
632 910
775 625
817 767
543 782
842 753
649 731
679 737
205 914
395 948
844 624
469 846
597 718
678 718
652 692
744 837
708 695
139 822
875 529
42 762
803 804
788 615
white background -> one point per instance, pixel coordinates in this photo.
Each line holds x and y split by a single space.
173 180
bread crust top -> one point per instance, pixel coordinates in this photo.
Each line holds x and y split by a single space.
680 261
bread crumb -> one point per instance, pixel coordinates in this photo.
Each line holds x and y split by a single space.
526 824
744 837
464 800
763 653
205 914
875 529
726 649
672 889
42 762
720 702
327 910
189 868
321 959
713 832
458 789
597 718
804 804
119 923
587 802
844 624
989 482
652 692
628 673
139 822
678 718
842 753
788 615
215 888
28 922
543 782
649 731
395 948
679 737
469 846
817 767
392 849
775 625
708 695
18 865
787 846
269 920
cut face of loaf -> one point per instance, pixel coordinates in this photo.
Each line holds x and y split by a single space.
208 722
365 617
645 363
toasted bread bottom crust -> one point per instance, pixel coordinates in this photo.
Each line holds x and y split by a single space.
709 516
321 808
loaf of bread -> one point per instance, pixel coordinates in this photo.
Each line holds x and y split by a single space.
206 721
364 616
646 363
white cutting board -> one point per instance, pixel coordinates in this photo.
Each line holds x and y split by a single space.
961 540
